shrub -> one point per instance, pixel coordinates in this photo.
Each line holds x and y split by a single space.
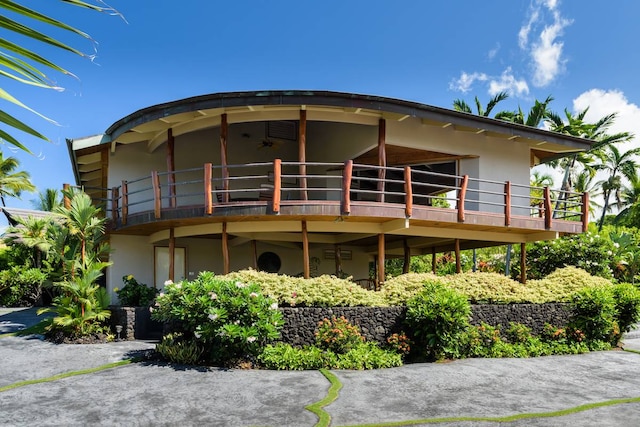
368 356
337 335
400 343
518 333
594 313
21 286
229 319
177 349
135 294
438 316
627 301
398 290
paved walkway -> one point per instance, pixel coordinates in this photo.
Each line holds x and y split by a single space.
159 394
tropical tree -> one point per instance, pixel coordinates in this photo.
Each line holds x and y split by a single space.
12 183
585 183
25 65
48 201
461 105
537 114
629 213
538 181
617 165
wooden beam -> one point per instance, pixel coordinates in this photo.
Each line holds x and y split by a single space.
277 184
507 203
171 167
302 157
457 251
433 260
172 254
380 278
338 259
157 195
254 254
547 208
125 202
115 195
585 212
408 192
347 174
104 167
66 199
225 249
462 194
407 257
224 131
382 157
208 189
305 250
523 263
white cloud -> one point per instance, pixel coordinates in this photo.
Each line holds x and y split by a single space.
493 52
546 49
507 82
465 81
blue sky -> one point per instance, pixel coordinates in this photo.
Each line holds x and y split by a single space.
581 53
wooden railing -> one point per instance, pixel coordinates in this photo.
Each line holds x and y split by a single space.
280 182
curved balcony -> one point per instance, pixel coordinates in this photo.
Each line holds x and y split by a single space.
333 192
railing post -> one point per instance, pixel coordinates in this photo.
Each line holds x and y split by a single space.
547 208
157 196
408 192
507 203
585 212
346 186
208 196
462 193
277 184
115 195
67 200
125 202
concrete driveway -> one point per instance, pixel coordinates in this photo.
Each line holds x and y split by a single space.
148 393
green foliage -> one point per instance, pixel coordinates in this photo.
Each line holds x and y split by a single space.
437 317
399 343
21 286
363 356
595 313
229 319
627 301
176 349
338 335
135 294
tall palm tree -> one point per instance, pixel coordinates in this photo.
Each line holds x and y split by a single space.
630 203
617 165
12 183
48 201
537 114
461 105
538 181
585 183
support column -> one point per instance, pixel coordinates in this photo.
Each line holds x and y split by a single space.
225 249
66 200
382 157
224 131
172 255
254 253
407 258
457 250
305 250
338 257
433 260
171 167
523 263
302 156
381 276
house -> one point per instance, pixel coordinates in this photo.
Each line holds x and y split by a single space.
314 182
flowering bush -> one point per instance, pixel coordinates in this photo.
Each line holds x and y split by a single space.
399 343
134 293
229 319
338 335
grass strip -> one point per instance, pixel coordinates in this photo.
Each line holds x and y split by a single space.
324 419
505 419
67 375
631 351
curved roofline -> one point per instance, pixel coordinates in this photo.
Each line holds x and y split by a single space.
336 99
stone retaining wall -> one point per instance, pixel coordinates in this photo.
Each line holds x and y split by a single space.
377 323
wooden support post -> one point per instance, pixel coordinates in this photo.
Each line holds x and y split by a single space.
406 265
457 251
208 190
277 184
172 254
585 212
462 194
507 203
381 277
433 260
115 195
305 251
66 199
547 208
302 156
104 167
125 202
408 192
225 249
338 258
224 132
157 195
382 158
346 186
254 254
523 263
171 167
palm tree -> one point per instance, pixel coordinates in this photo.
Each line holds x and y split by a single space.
24 65
48 201
538 112
584 183
538 181
12 183
461 105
